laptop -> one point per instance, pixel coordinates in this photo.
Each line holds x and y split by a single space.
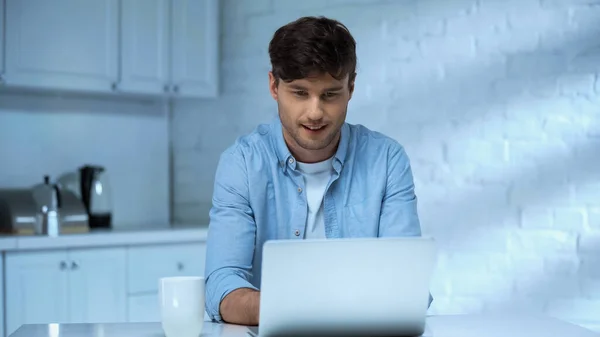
345 287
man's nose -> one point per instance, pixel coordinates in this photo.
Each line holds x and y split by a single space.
315 110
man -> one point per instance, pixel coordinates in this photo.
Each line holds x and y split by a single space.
308 174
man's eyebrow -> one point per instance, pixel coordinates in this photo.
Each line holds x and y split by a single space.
301 87
297 87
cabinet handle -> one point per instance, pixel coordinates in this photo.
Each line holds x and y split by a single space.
63 265
176 88
74 265
114 86
1 79
180 266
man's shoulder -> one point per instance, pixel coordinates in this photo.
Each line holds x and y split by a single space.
374 150
367 139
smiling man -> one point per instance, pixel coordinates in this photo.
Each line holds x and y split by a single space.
308 174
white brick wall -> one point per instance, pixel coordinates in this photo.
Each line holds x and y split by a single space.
498 105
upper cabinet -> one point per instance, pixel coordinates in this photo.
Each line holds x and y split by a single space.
1 42
195 38
62 44
145 46
148 47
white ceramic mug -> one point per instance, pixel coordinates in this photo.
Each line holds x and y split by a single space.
182 305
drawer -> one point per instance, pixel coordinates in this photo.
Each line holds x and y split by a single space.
147 264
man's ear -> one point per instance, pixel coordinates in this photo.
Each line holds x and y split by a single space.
273 85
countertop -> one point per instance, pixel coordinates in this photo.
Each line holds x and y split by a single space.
104 238
437 326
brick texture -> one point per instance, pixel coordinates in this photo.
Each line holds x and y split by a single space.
497 105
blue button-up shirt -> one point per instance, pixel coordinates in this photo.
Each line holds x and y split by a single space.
259 195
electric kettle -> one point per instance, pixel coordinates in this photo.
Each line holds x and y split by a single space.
96 195
48 203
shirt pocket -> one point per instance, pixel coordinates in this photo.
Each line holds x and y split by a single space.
361 219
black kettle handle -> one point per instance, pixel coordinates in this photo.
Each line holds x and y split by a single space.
58 196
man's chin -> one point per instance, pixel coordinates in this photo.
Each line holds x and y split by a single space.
313 144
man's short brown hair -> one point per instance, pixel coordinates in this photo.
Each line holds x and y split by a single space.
312 45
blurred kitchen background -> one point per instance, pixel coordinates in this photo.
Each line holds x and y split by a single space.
496 101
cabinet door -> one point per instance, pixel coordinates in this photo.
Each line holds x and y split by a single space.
97 279
144 308
1 41
36 288
2 332
166 260
195 47
144 46
62 44
147 264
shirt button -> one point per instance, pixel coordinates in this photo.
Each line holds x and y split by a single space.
291 160
299 189
297 233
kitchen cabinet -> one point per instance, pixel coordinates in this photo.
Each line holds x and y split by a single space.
36 288
149 47
167 260
170 46
144 308
62 44
186 259
65 286
1 42
145 46
2 332
98 285
195 50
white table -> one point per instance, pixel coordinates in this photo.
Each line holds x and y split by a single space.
437 326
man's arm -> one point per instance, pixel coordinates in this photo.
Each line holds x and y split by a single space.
241 307
230 297
399 216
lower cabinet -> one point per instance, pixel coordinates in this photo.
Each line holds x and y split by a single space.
143 308
147 264
89 285
2 325
65 286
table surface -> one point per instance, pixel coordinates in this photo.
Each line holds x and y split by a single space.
437 326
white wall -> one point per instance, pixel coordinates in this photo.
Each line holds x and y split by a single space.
45 134
497 103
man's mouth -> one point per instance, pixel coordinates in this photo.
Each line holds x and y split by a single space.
314 128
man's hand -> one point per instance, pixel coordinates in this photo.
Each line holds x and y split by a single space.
241 306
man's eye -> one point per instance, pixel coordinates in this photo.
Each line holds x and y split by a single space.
330 94
300 93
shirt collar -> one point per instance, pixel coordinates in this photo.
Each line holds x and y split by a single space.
285 157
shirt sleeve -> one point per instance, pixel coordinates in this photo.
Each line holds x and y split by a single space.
231 233
399 215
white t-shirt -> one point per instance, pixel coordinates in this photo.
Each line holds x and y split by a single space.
316 178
